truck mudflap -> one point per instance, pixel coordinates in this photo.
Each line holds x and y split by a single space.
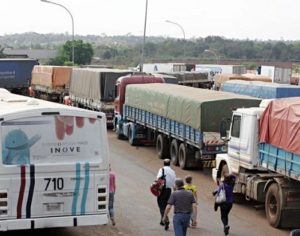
209 163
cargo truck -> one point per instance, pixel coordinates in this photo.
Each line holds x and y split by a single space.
94 89
194 79
264 155
277 74
15 74
50 82
260 89
224 69
182 122
154 68
222 78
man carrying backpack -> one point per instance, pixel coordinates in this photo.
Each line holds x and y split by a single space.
162 200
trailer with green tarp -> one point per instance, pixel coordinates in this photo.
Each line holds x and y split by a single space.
94 89
185 121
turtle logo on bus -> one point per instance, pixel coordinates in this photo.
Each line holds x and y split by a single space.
16 147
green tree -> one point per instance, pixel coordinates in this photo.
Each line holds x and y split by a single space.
83 53
2 52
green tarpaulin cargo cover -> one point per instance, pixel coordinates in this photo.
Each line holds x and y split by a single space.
201 109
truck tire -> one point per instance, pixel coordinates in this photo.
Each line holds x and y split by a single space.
131 136
174 152
118 131
183 156
119 135
273 205
162 146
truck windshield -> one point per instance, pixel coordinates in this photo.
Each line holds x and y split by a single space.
50 139
236 123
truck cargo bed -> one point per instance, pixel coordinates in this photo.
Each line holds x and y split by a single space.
279 160
201 109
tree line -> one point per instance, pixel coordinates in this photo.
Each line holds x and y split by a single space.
212 47
126 50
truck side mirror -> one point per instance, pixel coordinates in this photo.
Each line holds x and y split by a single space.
224 127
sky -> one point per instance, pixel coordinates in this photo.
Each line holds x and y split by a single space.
232 19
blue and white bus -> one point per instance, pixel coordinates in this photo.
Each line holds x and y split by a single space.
54 165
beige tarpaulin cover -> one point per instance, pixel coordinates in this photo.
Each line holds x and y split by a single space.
199 108
221 78
95 83
254 77
51 76
280 126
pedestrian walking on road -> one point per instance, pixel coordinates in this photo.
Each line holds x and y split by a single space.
184 204
112 191
191 187
227 184
162 200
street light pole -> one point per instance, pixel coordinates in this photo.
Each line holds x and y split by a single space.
174 23
73 53
215 54
144 38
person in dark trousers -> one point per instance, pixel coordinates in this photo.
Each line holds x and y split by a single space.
184 204
225 207
112 191
162 199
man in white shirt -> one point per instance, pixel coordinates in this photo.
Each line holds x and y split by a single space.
162 199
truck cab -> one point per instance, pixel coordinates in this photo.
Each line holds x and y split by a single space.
263 170
121 84
242 142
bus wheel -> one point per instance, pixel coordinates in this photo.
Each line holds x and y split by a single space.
174 152
182 156
273 205
162 147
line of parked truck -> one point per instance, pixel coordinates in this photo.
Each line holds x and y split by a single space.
89 88
259 143
252 138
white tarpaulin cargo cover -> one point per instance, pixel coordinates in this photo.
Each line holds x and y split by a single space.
201 109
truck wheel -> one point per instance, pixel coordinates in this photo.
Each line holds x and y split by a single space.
182 156
118 130
130 136
119 135
273 205
162 147
174 152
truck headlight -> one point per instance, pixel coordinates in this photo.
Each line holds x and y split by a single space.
224 148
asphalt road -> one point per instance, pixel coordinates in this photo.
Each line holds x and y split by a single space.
136 208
